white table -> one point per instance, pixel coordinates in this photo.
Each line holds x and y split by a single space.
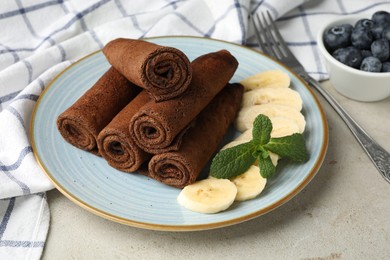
343 213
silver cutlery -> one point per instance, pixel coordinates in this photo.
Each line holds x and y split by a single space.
272 44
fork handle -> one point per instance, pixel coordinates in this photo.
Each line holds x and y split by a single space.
379 156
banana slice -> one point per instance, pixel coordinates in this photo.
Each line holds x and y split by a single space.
232 144
245 136
242 138
249 184
210 195
281 96
283 126
269 78
247 115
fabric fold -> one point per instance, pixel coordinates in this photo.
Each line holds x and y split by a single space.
183 167
114 141
157 124
164 72
81 123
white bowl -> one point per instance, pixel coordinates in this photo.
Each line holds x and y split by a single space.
353 83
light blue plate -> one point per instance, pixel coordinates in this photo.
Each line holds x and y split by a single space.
136 200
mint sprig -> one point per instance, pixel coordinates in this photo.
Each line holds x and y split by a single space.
291 147
267 168
261 131
236 160
233 161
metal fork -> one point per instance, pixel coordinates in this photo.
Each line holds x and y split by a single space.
272 44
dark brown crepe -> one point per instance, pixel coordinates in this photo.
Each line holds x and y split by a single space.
182 167
114 141
81 123
164 72
158 124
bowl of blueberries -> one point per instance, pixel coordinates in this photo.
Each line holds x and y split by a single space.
357 54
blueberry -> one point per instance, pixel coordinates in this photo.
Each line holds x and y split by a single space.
377 31
364 45
361 38
386 66
380 49
371 64
366 24
365 53
349 56
338 36
381 17
386 33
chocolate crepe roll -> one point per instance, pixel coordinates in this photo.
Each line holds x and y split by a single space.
157 124
81 123
164 72
114 141
182 167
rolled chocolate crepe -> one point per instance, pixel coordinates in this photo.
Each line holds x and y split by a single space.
157 124
114 141
81 123
182 167
164 72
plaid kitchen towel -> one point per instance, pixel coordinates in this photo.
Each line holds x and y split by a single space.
39 39
299 25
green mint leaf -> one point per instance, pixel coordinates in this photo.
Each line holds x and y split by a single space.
261 152
262 127
267 168
292 147
233 161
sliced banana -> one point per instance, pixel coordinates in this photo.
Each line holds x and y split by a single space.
247 115
232 144
249 184
245 136
269 78
242 138
281 96
283 126
210 195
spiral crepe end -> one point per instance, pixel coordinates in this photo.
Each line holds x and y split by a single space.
149 132
77 135
167 73
118 153
171 170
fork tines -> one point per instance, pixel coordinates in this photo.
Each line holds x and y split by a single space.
268 36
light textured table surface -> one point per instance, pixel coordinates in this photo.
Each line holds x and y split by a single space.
343 213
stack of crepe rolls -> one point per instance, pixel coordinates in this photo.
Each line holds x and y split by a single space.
266 93
163 115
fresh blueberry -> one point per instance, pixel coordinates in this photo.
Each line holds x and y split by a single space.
371 64
338 36
366 24
349 56
386 66
364 45
386 33
366 53
361 38
380 48
377 31
381 17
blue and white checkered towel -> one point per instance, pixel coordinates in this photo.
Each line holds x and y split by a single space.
38 39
